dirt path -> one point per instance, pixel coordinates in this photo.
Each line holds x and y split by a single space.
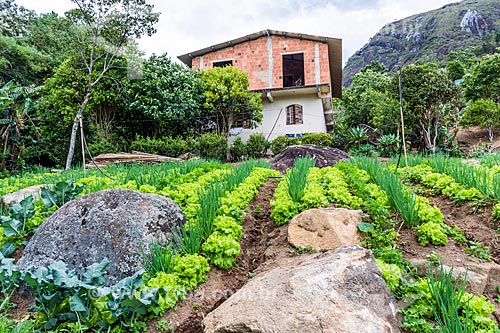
261 244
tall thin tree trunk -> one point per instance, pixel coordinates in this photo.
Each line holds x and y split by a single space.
72 142
74 129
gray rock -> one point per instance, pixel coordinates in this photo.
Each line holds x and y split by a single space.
110 223
18 196
340 291
324 156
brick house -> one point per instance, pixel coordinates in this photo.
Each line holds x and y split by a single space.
297 75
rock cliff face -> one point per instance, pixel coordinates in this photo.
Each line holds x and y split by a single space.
430 36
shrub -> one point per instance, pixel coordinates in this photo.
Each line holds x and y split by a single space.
175 147
238 149
255 145
212 146
148 145
281 142
103 147
318 139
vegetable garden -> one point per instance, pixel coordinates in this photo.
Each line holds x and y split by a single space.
402 209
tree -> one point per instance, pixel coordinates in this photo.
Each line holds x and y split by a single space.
375 66
109 25
368 101
455 70
484 113
426 90
484 80
227 97
60 101
32 45
168 93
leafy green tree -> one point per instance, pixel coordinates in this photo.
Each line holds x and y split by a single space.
455 70
110 24
169 93
32 45
484 80
228 99
375 66
484 113
425 90
368 101
60 101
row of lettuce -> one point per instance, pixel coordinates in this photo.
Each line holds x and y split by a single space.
213 196
378 190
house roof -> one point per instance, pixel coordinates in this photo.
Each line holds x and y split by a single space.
334 52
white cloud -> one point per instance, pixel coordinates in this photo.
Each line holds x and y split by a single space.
190 25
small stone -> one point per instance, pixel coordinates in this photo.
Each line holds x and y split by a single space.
325 228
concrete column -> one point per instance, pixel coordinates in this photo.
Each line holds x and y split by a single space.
202 63
317 69
270 61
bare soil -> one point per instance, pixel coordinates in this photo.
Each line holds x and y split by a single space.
474 137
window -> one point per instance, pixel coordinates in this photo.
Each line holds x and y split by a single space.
223 63
294 114
293 70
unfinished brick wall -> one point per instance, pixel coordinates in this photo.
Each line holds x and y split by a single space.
252 57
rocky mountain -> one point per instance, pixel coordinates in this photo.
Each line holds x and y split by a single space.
431 36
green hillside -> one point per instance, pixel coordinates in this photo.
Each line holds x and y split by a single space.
431 36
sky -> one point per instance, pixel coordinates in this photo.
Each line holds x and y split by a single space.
190 25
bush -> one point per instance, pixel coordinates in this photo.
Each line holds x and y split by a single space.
212 146
167 146
103 147
175 147
148 145
318 139
281 142
255 145
238 150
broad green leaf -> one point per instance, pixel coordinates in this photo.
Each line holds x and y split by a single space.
48 197
94 274
8 248
365 227
11 227
76 304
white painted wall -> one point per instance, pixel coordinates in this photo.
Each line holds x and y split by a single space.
313 118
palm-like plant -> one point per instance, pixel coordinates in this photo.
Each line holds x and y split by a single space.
15 105
357 135
388 144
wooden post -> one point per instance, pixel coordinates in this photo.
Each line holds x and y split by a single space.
83 145
402 117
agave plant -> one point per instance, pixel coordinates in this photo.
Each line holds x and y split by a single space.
357 135
388 144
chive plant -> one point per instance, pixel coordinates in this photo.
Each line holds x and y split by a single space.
447 296
400 197
469 175
159 258
297 178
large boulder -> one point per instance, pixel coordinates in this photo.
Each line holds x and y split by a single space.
325 228
341 291
109 224
324 156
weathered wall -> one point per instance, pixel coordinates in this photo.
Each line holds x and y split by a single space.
261 59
